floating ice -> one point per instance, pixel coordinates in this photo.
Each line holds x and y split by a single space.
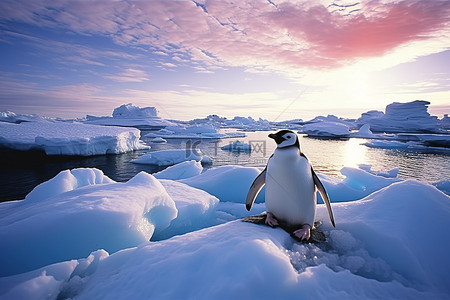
237 146
63 138
327 129
193 132
159 140
170 157
409 146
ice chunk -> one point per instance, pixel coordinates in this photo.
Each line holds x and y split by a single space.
237 146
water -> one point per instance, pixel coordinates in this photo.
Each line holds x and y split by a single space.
21 172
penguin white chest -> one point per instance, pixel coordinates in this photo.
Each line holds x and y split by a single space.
290 190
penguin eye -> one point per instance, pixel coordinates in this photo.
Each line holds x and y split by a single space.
288 136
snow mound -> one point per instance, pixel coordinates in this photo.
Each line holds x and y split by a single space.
327 129
62 138
88 212
182 170
228 183
377 251
170 157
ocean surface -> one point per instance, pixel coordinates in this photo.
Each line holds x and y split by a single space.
21 172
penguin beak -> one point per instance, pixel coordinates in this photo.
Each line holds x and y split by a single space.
278 139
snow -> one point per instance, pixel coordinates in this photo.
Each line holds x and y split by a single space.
63 138
237 146
327 129
171 157
128 115
390 245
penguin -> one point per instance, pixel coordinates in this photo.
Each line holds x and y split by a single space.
290 187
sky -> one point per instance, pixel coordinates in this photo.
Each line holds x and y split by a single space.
278 60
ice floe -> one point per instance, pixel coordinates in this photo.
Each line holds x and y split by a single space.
171 157
64 138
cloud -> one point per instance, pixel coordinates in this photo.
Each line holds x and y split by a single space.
278 34
129 75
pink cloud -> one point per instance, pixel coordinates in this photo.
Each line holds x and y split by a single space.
383 27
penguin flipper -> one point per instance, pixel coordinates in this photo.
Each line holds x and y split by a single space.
256 186
324 195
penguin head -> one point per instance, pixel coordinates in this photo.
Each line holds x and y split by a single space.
285 138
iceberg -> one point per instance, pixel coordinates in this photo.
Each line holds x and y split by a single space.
404 117
64 138
128 115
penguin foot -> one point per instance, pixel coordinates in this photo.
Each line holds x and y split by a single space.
304 233
271 220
